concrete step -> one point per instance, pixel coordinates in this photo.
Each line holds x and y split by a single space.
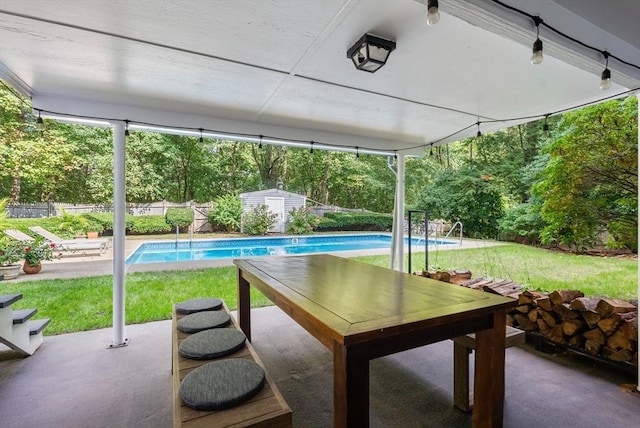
36 326
20 316
9 299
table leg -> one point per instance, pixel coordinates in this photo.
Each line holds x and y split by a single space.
488 392
461 397
350 388
244 305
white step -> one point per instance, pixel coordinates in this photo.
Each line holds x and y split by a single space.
17 330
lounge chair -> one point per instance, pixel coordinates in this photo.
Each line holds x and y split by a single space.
71 244
18 235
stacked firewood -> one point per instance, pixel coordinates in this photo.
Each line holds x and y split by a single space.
600 326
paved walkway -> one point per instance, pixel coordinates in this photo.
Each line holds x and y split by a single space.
93 264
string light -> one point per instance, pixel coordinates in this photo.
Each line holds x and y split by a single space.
311 149
126 128
201 139
537 57
357 152
605 78
431 150
39 121
545 127
154 127
433 15
478 134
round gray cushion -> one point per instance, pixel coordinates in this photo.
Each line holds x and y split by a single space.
203 321
209 344
198 305
221 384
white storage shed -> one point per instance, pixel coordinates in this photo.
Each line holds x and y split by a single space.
279 202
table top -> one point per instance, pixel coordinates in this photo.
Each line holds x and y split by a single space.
352 299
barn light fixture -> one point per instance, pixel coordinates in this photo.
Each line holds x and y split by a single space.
605 78
433 15
537 57
370 53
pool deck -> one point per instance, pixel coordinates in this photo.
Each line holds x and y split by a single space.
93 264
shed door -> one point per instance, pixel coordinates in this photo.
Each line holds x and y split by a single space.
276 206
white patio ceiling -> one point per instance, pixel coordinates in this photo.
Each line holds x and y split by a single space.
279 68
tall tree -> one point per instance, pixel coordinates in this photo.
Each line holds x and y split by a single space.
590 183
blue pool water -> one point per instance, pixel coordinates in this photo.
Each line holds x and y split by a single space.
210 249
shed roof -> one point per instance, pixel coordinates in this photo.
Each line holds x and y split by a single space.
275 191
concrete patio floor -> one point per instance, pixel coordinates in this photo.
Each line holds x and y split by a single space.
73 380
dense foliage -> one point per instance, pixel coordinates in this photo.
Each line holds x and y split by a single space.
590 183
301 221
179 217
356 222
467 196
258 220
226 214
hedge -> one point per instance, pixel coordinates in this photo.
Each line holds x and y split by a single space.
356 222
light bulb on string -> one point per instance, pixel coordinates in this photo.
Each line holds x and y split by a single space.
431 150
39 121
357 153
545 127
605 78
537 57
126 128
260 143
478 134
201 139
311 149
433 14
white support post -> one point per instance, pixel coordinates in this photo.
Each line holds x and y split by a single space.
400 212
397 240
119 208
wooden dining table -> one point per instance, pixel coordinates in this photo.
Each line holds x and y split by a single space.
361 312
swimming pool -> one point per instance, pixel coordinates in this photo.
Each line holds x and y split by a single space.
211 249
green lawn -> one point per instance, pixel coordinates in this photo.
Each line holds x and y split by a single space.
536 268
85 303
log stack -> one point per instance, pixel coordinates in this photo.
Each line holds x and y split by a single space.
602 327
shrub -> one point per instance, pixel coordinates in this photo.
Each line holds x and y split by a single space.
227 213
147 224
522 223
258 220
71 225
301 221
179 217
356 222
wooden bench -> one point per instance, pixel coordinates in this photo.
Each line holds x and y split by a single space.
462 347
267 409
